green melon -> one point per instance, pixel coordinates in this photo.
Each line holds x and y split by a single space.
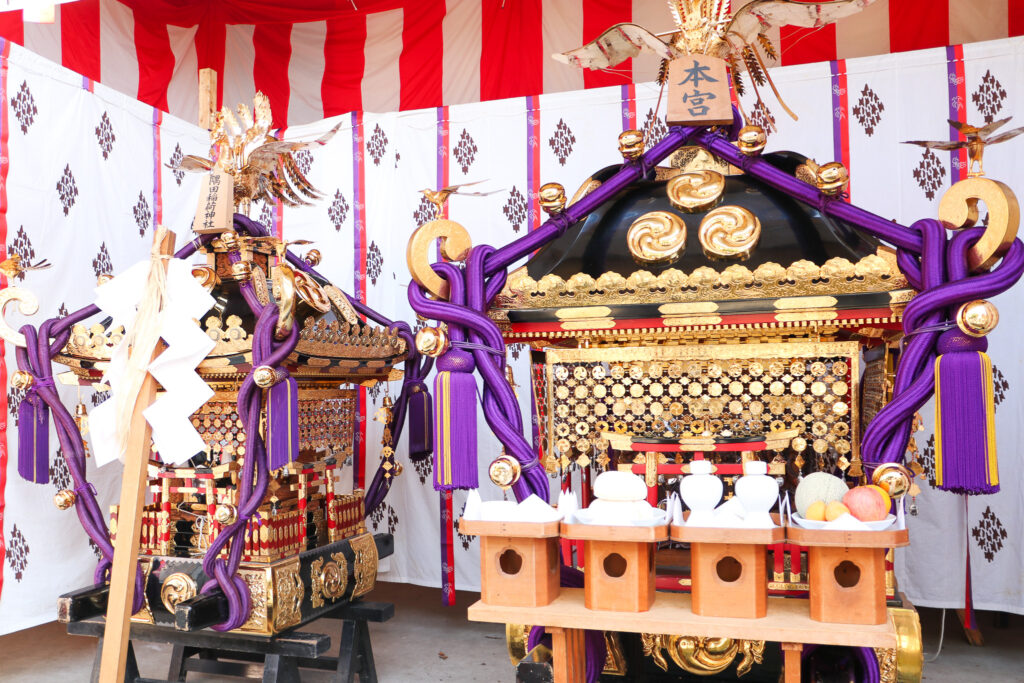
819 486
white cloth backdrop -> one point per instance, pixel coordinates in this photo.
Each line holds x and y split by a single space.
82 193
371 172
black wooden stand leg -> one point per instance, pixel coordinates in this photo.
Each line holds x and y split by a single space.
348 653
279 669
131 669
367 670
177 670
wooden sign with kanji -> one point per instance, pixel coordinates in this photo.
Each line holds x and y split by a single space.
216 203
698 91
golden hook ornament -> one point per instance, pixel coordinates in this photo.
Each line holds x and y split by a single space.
958 209
28 304
455 246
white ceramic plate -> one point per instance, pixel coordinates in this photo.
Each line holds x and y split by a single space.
881 525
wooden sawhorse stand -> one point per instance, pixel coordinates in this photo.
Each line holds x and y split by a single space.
272 660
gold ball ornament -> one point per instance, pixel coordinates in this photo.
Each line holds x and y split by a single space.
631 144
751 140
22 380
64 499
432 341
229 239
264 376
225 514
313 257
831 178
552 198
977 318
398 469
893 478
504 471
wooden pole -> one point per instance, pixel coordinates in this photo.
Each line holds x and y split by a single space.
129 525
207 98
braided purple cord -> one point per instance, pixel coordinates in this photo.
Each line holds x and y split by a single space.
417 367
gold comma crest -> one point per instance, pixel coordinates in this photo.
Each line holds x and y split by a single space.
729 232
695 191
657 237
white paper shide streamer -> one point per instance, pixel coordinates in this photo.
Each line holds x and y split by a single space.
183 390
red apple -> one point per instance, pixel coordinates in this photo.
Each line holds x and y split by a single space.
866 504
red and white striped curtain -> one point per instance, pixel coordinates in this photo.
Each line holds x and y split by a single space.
320 58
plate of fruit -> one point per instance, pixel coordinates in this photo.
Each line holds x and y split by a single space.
824 501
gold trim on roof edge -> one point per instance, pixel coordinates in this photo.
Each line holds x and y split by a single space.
317 338
873 273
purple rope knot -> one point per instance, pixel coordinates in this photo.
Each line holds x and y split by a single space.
456 360
84 488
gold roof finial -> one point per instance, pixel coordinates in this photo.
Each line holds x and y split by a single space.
261 166
710 27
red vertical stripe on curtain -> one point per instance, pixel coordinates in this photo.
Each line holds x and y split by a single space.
421 65
12 27
209 40
344 61
270 67
156 61
512 61
1016 18
80 37
918 24
599 15
802 45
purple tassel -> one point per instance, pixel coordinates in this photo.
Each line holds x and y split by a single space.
34 439
455 422
965 439
421 422
283 422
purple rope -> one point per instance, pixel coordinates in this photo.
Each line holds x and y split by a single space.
501 410
417 367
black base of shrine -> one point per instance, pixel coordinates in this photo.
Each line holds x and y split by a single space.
271 660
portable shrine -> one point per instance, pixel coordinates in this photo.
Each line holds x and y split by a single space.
249 531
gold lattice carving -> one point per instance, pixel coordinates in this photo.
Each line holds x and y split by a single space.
712 390
886 664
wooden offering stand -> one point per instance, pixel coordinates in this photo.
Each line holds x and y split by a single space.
729 569
519 563
620 564
846 571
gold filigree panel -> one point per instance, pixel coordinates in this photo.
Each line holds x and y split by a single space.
288 593
365 550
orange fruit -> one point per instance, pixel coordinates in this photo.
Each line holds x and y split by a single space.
835 510
885 496
816 511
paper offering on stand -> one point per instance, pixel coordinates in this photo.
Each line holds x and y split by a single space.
533 509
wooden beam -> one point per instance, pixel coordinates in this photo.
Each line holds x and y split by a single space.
129 524
207 98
